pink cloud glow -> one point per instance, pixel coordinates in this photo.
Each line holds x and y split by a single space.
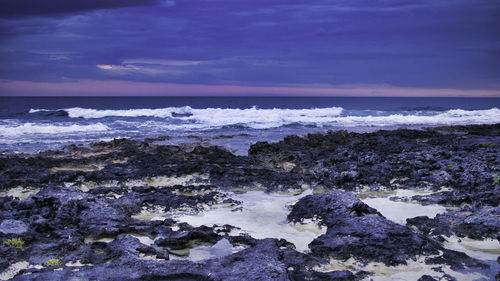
131 88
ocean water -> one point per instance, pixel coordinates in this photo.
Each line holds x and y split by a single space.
31 124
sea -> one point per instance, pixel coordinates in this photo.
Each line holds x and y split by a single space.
33 124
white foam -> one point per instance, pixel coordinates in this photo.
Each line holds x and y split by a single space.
216 117
187 118
207 114
34 128
38 110
88 113
450 117
263 118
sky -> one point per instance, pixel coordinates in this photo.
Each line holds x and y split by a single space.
254 47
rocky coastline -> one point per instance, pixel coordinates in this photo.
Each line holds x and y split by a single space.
110 210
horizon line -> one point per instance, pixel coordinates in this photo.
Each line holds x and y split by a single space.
86 87
239 96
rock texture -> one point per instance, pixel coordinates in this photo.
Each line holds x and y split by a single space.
103 210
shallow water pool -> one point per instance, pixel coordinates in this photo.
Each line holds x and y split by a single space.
261 215
400 211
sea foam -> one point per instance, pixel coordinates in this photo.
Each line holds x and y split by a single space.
191 113
450 117
187 118
33 128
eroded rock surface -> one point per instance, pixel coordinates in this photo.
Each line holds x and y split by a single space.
480 223
465 159
357 231
104 210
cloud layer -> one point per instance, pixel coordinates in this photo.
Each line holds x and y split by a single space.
22 8
404 43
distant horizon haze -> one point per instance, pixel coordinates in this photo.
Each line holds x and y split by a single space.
132 88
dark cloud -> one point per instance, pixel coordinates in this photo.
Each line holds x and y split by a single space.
22 8
425 43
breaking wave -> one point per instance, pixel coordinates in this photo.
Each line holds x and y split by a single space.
34 128
450 117
187 118
188 112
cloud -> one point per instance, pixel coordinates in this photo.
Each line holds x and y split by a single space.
126 69
167 3
105 66
410 43
22 8
164 62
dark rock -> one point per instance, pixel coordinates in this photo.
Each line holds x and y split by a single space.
427 278
13 227
86 194
358 231
477 223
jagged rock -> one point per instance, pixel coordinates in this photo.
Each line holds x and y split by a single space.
88 202
359 231
473 223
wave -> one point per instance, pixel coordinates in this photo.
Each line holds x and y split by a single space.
33 128
89 113
187 118
186 112
50 113
215 117
450 117
216 121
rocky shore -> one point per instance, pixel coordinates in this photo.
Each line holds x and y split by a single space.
116 210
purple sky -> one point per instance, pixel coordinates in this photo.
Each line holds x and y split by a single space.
258 47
